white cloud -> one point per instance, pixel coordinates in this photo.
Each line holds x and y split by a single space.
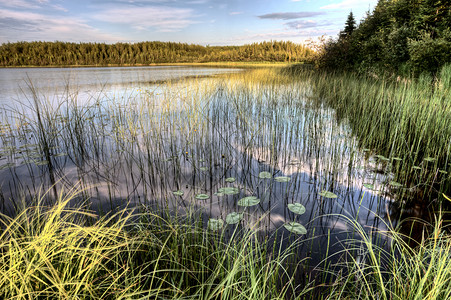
29 26
349 4
164 19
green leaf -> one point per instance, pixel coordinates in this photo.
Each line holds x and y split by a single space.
215 224
282 179
248 201
296 208
229 191
395 184
295 228
369 186
230 179
264 175
202 196
327 194
203 169
178 193
429 159
234 218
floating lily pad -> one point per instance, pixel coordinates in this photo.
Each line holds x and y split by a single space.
369 186
229 191
395 184
264 175
234 218
282 179
248 201
295 228
381 157
219 194
202 196
230 179
296 208
327 194
429 159
178 193
203 169
215 224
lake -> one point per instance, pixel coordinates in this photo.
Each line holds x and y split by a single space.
252 149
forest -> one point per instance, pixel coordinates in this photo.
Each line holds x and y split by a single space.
143 53
405 37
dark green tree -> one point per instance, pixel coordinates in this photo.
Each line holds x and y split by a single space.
350 26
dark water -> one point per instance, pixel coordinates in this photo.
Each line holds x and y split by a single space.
194 137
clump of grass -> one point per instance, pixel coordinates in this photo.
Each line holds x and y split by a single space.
406 268
407 121
60 252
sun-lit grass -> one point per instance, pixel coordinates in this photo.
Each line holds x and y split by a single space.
137 185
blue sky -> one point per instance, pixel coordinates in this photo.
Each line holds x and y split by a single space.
205 22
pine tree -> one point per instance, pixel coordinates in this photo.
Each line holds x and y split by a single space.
350 25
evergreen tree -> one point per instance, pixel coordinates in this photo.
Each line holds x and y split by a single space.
350 26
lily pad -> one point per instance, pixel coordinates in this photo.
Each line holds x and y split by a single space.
327 194
296 208
202 196
295 228
215 224
369 186
282 179
228 191
264 175
203 169
248 201
395 184
178 193
381 157
234 218
230 179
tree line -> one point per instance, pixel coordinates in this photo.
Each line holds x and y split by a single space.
101 54
399 36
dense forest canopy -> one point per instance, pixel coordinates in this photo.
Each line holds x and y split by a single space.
99 54
398 36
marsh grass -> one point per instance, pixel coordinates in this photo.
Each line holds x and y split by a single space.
405 122
63 251
123 220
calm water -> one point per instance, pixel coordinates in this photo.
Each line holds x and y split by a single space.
89 82
196 137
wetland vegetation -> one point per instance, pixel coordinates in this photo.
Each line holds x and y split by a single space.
283 182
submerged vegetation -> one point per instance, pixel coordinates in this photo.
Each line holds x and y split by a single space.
145 53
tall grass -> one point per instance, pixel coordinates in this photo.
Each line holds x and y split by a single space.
67 252
124 219
406 121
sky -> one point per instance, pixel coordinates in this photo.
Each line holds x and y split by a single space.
204 22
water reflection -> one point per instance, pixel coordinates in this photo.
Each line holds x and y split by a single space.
136 153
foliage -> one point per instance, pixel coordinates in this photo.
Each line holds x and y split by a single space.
100 54
403 36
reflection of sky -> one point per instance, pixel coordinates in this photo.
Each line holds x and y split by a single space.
211 133
89 82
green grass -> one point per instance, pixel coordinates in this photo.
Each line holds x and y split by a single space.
110 226
406 121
